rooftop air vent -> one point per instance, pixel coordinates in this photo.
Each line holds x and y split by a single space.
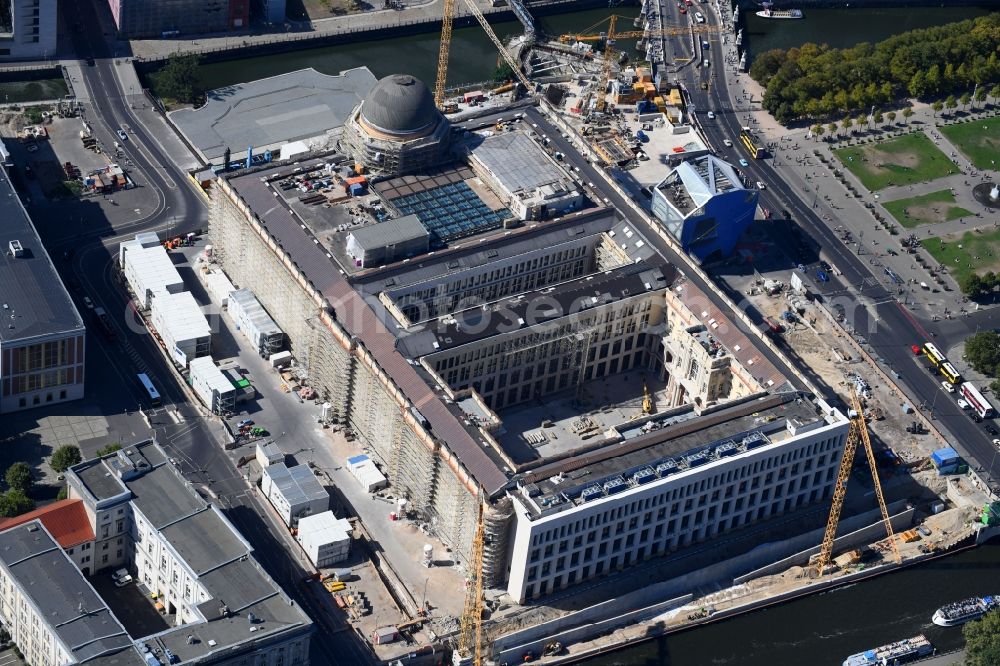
16 248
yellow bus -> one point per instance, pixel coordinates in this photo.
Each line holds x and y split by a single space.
934 355
748 142
949 372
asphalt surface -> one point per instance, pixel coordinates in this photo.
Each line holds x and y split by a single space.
886 324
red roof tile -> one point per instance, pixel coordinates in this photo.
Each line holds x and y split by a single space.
66 520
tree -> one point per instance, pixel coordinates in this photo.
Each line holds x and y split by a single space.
995 93
63 493
937 106
846 124
110 448
818 130
832 128
14 503
892 117
65 457
907 113
502 72
981 94
972 285
950 103
982 641
982 351
877 117
964 100
18 477
179 79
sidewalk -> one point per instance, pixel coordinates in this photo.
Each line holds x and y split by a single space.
796 157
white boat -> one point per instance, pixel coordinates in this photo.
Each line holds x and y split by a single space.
770 13
966 610
893 654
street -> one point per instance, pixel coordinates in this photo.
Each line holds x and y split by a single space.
886 324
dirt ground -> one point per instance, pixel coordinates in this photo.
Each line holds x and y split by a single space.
822 345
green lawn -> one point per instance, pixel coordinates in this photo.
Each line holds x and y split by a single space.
979 140
909 159
972 252
925 209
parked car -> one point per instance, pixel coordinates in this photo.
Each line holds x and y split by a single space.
121 577
122 135
947 387
89 303
727 143
744 163
991 430
963 404
711 114
244 422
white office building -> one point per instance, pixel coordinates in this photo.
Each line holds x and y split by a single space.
294 492
660 493
211 385
252 320
148 269
325 538
182 326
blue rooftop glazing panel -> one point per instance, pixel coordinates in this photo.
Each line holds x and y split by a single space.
451 211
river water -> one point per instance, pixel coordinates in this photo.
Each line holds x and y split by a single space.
847 27
473 55
822 630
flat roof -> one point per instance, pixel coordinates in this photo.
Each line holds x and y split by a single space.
99 480
269 112
518 163
182 316
33 300
572 298
389 233
206 369
359 319
255 312
62 596
296 484
219 556
187 537
680 441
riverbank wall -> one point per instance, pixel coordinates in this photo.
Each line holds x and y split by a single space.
661 628
262 45
644 605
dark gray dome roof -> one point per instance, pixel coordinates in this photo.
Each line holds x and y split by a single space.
400 104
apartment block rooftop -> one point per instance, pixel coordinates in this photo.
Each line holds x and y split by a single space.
33 300
670 444
208 544
61 595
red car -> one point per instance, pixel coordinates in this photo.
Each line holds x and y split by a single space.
684 10
916 350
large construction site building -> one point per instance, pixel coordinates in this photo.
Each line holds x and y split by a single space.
517 364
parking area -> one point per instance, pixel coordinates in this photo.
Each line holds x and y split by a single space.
131 605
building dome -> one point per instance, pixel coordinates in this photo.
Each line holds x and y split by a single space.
400 105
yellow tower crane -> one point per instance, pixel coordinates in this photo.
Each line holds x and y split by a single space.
858 431
610 36
446 23
470 637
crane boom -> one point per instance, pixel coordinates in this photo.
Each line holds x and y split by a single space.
858 431
447 19
496 41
